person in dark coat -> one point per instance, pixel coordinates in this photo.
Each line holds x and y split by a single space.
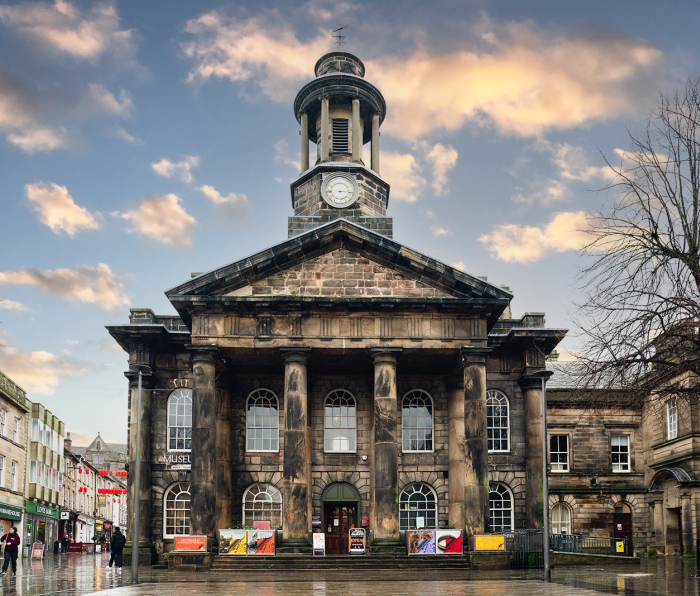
11 540
116 546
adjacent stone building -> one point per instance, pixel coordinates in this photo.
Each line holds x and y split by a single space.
339 378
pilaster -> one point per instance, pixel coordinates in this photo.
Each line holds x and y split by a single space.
534 506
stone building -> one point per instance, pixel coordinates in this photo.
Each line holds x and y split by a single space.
339 378
13 452
103 455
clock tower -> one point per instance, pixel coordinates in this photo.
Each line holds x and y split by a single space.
340 112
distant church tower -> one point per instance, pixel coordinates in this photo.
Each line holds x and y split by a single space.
340 111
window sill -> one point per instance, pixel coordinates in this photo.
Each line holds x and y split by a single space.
262 451
339 452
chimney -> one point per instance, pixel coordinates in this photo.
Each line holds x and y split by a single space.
67 443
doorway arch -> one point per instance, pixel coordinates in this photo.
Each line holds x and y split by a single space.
340 504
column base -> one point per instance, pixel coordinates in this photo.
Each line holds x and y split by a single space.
388 546
147 553
294 546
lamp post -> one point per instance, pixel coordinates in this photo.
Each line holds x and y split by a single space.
544 375
136 507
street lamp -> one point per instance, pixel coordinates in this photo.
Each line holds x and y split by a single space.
544 375
136 506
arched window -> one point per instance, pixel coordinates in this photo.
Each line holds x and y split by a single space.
417 421
501 507
177 510
561 519
263 421
180 420
497 421
340 421
262 502
417 507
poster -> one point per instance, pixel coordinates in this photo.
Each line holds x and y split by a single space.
191 543
319 543
420 522
421 542
620 546
448 542
357 541
316 521
232 542
365 521
487 543
261 542
261 525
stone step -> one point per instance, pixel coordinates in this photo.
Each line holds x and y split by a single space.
367 563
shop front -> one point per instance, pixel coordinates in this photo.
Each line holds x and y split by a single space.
41 524
9 516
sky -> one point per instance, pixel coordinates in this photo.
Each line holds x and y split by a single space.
143 141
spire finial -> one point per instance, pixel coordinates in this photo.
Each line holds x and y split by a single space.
339 37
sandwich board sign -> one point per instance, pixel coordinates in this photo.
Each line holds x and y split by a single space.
38 550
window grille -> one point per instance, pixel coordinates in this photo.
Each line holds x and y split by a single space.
179 421
417 500
262 502
340 420
417 421
497 421
501 507
620 454
561 519
672 419
341 137
559 453
177 510
262 421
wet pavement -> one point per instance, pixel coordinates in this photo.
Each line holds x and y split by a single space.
81 574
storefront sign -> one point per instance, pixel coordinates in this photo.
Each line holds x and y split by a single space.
421 542
319 544
82 520
357 541
176 458
65 514
10 512
365 521
448 542
487 543
32 507
37 550
233 542
102 501
315 521
260 542
192 543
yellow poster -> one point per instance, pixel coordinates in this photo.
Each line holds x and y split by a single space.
489 542
620 547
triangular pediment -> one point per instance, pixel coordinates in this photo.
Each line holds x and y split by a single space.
313 260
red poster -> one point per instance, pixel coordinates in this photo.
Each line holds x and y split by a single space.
191 543
261 525
365 521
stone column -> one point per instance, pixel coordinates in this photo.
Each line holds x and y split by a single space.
660 526
457 466
386 447
534 507
356 132
204 423
140 445
688 542
296 468
476 483
324 129
375 143
224 511
304 142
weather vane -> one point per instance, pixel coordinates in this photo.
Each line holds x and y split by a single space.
339 37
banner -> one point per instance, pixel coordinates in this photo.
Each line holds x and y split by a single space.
448 542
421 542
261 542
233 542
191 543
487 543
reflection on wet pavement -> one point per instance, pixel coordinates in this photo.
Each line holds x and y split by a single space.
82 574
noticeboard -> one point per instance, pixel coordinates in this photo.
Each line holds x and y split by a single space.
421 542
357 542
620 546
38 550
448 542
319 544
233 542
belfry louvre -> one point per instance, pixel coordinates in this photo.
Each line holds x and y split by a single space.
337 368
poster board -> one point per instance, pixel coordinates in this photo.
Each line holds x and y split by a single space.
260 542
357 541
233 542
449 542
421 542
487 543
38 550
319 544
619 546
192 543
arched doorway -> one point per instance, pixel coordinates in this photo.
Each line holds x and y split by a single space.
622 525
673 526
340 503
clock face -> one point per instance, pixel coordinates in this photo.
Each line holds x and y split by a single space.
340 190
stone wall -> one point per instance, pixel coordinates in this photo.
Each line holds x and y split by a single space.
371 201
300 225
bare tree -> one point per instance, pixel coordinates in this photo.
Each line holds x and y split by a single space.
639 300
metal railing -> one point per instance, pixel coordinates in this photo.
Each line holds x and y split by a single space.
525 548
588 545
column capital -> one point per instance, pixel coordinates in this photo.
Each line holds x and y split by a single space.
300 354
385 355
148 380
474 355
204 353
533 381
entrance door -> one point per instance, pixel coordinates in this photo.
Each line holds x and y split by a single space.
339 518
623 529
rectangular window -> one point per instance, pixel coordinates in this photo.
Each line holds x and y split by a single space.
559 453
3 423
14 475
672 419
15 431
2 470
341 138
32 471
620 454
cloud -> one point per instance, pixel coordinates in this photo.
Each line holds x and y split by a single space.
526 244
182 169
109 346
261 50
162 219
458 265
64 29
119 133
442 160
57 209
544 193
282 155
81 439
236 204
439 232
104 100
38 372
402 172
12 305
92 285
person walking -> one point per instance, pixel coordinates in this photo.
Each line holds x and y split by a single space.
116 546
11 540
64 544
